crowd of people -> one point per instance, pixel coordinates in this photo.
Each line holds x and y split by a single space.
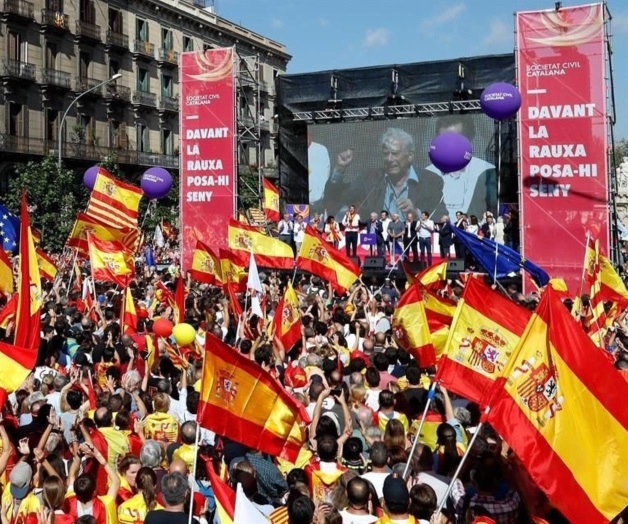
96 435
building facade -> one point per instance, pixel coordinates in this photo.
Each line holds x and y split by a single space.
52 51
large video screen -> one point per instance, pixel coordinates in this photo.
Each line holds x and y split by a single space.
384 165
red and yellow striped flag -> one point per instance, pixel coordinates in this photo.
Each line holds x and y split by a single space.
86 224
113 202
269 252
485 330
271 201
129 314
6 273
233 270
7 314
324 260
410 328
110 262
287 319
205 265
224 496
434 277
440 314
562 409
243 402
47 268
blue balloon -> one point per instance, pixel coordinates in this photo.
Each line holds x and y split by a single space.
500 100
450 152
89 177
156 182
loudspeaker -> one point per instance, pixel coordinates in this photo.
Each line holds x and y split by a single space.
374 263
455 264
355 260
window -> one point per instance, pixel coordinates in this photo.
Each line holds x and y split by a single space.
115 21
17 46
88 125
16 116
166 39
84 61
51 55
207 47
55 5
52 124
87 11
167 141
166 85
141 30
143 143
188 43
118 138
143 80
114 67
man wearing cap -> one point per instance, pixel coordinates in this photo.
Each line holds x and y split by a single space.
396 502
17 496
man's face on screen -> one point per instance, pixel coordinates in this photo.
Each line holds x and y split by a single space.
397 159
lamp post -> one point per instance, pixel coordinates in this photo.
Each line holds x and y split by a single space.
112 79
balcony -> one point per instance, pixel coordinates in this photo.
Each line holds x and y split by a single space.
167 58
144 99
86 32
143 50
15 71
168 104
54 21
83 84
53 78
116 41
156 159
115 94
18 11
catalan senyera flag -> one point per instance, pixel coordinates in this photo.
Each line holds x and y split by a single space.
110 261
269 252
179 300
439 312
18 359
271 201
243 402
225 496
233 270
287 319
410 327
113 202
485 330
205 265
434 277
86 224
6 273
561 406
129 314
47 268
322 259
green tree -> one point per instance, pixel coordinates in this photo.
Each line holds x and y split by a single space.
248 186
54 196
621 151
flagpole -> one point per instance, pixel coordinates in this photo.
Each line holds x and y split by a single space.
463 460
584 264
72 271
430 396
195 462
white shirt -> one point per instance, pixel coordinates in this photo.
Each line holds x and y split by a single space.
351 223
348 518
437 482
284 227
54 399
377 479
385 223
391 196
426 228
319 168
299 231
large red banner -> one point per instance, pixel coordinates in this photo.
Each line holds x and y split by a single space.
561 66
208 170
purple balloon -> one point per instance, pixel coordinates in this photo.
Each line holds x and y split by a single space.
500 100
156 182
89 177
451 152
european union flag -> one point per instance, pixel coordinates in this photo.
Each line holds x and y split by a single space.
9 230
498 259
149 257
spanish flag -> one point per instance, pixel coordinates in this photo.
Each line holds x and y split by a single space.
86 224
434 277
271 201
6 273
410 328
205 265
324 260
113 202
47 268
233 270
7 314
561 406
243 402
411 278
269 252
439 312
287 319
485 330
224 496
110 261
129 314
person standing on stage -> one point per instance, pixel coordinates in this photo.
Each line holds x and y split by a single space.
385 220
332 231
375 227
351 223
299 233
425 230
445 236
409 238
395 234
285 227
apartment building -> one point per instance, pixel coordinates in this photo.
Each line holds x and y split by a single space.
53 51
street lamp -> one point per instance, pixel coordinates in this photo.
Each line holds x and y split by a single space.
112 79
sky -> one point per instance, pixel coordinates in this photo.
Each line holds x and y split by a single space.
336 34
